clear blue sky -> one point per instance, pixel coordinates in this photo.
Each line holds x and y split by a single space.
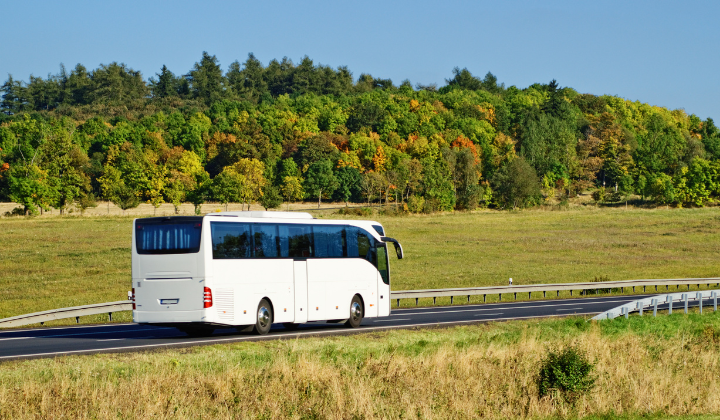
662 52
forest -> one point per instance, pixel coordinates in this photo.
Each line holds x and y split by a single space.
287 132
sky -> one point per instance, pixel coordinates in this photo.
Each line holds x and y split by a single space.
661 52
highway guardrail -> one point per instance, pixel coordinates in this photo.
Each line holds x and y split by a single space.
126 305
62 313
653 302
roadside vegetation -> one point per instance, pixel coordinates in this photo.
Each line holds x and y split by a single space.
56 262
642 367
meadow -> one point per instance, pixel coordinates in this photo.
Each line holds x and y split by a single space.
645 368
60 261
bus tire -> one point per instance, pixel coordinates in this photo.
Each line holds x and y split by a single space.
357 312
264 317
290 326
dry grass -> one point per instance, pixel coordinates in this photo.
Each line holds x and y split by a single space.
666 366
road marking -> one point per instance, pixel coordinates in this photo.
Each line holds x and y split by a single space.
568 309
95 333
292 335
394 319
508 308
499 313
111 339
68 327
548 302
15 338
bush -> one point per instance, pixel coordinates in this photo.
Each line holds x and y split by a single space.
416 204
356 211
568 373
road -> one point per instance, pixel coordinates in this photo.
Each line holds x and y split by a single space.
59 341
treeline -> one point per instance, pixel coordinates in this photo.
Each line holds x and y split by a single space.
291 132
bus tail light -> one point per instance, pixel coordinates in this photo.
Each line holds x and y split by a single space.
132 297
207 298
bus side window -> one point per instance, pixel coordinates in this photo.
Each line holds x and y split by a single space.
329 241
266 244
360 244
231 240
295 241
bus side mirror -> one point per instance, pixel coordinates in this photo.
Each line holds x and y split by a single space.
398 247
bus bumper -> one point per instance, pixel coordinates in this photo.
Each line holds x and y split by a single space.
169 317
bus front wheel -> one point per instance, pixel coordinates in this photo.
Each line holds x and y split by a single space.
264 318
357 312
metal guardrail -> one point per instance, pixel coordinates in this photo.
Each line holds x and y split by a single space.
126 305
653 302
544 288
73 312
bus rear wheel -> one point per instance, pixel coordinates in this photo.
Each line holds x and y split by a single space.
357 312
264 318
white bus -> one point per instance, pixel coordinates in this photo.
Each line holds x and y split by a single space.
251 269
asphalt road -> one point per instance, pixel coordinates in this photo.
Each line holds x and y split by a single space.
59 341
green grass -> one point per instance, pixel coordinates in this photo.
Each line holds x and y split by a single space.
55 262
646 367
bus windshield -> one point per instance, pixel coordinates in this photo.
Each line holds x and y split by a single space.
168 235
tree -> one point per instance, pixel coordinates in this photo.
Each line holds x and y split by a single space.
228 186
466 178
271 198
464 80
292 189
254 181
319 180
167 84
348 183
206 79
516 184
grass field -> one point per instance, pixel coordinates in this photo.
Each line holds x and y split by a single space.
645 367
54 262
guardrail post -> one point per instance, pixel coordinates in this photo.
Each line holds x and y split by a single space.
699 298
543 293
656 287
714 296
654 303
434 299
633 289
484 298
500 297
416 301
398 303
558 293
570 292
667 288
685 298
670 302
640 307
77 319
110 316
468 298
529 297
515 296
643 289
451 300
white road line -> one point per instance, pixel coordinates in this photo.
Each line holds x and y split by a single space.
508 308
568 309
573 301
295 335
102 332
111 339
67 327
391 320
499 313
15 338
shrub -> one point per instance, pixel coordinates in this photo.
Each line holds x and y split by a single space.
599 195
356 211
568 373
416 204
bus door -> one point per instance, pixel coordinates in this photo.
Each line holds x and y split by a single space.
301 290
383 280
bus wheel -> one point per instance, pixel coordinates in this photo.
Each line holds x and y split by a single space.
357 312
290 326
264 318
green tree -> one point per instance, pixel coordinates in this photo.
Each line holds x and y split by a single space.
292 189
516 184
206 79
348 183
319 180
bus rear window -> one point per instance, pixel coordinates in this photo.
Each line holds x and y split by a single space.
168 235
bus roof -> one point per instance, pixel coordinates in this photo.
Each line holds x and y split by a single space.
265 214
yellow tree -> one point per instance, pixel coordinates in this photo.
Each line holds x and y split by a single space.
252 170
292 189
